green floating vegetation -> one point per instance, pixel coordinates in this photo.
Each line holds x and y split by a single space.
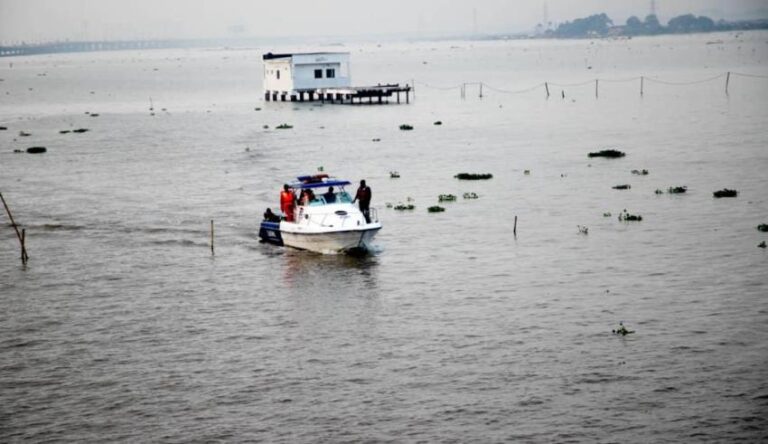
763 228
3 128
394 175
265 126
583 229
435 209
375 139
257 109
284 126
677 190
761 244
470 196
81 130
64 131
404 207
438 123
625 186
446 198
473 176
36 149
622 330
24 134
406 127
626 216
725 192
658 191
640 172
607 214
607 153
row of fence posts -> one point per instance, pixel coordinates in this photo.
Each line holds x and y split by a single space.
463 87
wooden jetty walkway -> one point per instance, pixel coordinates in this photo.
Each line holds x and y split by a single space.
349 95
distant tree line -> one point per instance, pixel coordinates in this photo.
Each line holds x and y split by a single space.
600 25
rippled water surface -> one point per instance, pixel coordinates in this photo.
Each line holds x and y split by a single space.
123 327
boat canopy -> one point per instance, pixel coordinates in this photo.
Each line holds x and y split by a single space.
325 182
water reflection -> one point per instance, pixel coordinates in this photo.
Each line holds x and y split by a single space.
319 273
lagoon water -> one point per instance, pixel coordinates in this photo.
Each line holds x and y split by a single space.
123 327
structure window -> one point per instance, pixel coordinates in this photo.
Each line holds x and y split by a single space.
277 73
318 73
330 73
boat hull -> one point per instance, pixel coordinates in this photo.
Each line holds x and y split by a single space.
331 242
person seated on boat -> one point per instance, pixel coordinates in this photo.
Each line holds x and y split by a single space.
269 216
330 196
287 202
308 197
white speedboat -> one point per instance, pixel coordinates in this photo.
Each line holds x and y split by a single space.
329 223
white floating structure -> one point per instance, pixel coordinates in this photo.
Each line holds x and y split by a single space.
319 76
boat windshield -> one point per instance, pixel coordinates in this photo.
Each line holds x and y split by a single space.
340 197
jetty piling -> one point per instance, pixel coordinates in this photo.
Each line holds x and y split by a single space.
212 252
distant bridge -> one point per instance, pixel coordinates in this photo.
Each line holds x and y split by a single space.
116 45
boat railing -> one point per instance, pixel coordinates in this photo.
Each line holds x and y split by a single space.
373 215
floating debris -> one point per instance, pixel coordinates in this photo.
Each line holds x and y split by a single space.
64 131
376 140
394 175
81 130
607 153
677 190
761 244
18 151
257 109
659 191
622 187
625 216
583 230
435 209
470 196
438 123
265 126
403 207
528 173
284 126
763 228
36 149
446 198
725 192
24 134
406 127
388 204
607 214
622 330
94 114
640 172
473 176
3 128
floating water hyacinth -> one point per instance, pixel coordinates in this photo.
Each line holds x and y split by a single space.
406 127
626 216
607 153
640 172
446 198
763 228
438 123
394 175
403 207
473 176
470 196
622 187
284 126
677 190
435 209
725 192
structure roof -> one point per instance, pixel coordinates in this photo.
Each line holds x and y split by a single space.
270 56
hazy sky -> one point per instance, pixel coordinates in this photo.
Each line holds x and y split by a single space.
40 20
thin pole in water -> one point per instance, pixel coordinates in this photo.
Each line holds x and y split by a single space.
24 255
546 86
727 79
514 229
596 88
641 85
212 253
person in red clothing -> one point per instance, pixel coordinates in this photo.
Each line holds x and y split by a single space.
287 202
364 196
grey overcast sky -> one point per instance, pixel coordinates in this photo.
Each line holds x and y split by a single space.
41 20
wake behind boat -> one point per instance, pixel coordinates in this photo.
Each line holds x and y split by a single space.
328 223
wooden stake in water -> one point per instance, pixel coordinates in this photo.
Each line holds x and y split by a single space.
514 229
212 253
727 79
596 88
641 85
546 86
24 255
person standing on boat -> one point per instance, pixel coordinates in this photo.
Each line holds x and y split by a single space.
364 196
287 202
